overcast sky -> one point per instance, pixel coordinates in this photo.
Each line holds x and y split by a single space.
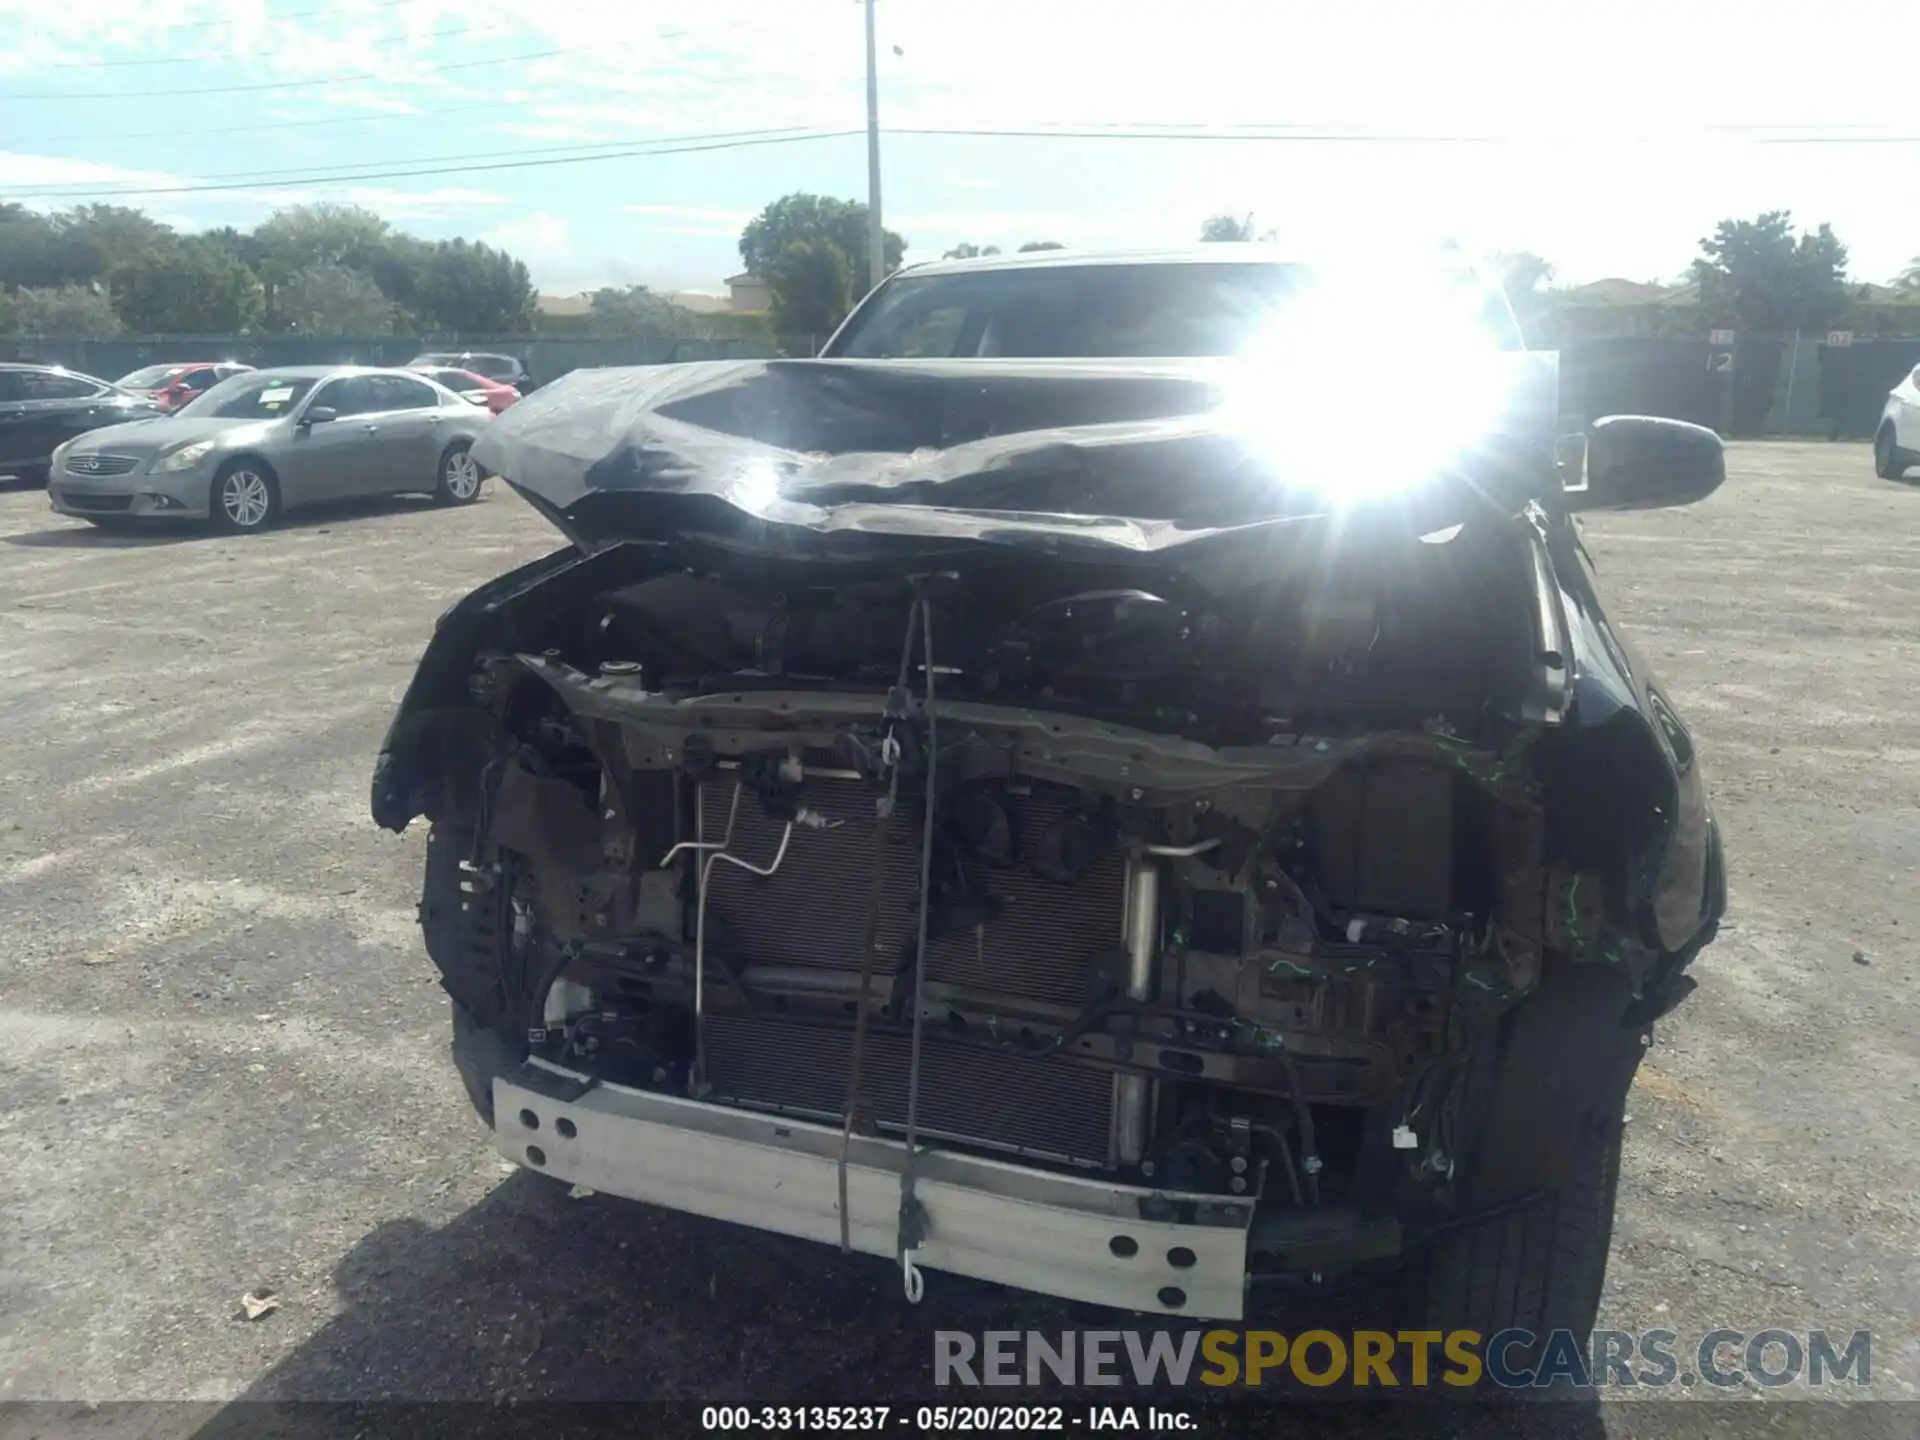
1607 138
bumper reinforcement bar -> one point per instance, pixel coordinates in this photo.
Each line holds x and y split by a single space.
1076 1237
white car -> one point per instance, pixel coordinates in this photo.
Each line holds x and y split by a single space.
1896 444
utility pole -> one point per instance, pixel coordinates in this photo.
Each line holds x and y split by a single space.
876 233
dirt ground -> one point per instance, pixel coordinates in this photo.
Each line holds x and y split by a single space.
222 1050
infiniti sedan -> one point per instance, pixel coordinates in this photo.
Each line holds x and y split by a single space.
268 441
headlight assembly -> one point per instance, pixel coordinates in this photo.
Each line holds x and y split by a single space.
186 457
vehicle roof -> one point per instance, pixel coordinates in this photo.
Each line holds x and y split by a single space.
192 365
419 365
475 354
321 372
1228 252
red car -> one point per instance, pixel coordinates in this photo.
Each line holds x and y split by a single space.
171 386
469 386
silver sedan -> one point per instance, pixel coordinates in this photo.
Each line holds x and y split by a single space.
262 443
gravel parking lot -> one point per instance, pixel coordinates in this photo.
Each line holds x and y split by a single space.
222 1050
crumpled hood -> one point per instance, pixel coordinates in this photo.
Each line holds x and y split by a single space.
162 433
787 456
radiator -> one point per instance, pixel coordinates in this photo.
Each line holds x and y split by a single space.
813 912
1041 1107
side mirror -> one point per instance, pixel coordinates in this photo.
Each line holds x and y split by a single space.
1639 462
320 415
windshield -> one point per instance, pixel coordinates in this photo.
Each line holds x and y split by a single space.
1091 312
250 397
1070 312
149 377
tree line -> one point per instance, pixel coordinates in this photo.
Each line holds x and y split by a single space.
1758 276
102 270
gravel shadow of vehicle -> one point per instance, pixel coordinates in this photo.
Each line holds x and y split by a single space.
532 1297
136 535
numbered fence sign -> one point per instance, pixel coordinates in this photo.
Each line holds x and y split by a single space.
1836 339
1720 339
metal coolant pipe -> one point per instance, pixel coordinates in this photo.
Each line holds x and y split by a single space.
1143 934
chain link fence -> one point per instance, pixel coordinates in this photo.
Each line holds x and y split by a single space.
545 357
1740 385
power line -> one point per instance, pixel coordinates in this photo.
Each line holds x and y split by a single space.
732 140
286 15
521 164
1306 134
317 174
383 117
172 92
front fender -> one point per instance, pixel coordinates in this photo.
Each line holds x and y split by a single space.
1630 793
525 609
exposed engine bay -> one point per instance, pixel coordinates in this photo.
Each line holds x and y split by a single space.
1022 859
1000 814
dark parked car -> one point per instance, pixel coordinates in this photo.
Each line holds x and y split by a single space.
1050 820
171 386
469 386
43 406
501 369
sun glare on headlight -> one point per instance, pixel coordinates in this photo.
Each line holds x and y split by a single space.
1362 387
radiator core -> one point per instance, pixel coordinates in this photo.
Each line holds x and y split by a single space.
812 913
1044 1107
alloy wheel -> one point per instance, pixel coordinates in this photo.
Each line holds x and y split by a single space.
245 499
462 476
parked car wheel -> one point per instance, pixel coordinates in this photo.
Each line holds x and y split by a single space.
461 478
1889 463
246 496
30 475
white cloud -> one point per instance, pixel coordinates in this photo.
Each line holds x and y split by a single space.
1597 184
555 133
33 172
394 204
703 232
694 212
361 97
541 239
994 224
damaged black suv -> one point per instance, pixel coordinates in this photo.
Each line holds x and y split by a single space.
975 799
